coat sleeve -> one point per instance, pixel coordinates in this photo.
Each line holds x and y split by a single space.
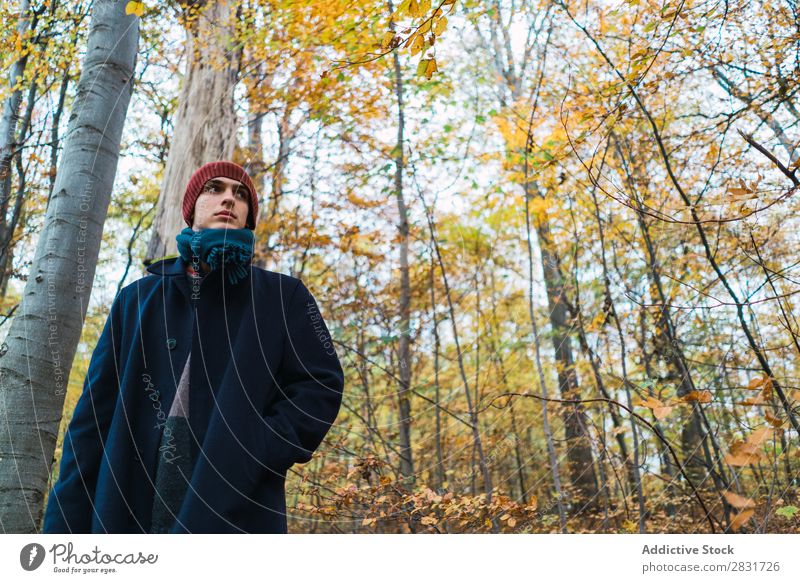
310 384
70 503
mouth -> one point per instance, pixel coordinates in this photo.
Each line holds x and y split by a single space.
225 215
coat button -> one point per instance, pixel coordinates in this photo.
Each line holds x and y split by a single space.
172 343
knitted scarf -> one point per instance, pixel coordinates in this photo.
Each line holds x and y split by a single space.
228 249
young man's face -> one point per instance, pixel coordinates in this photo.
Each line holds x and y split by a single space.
222 204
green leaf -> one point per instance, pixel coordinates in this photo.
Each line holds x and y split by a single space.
787 511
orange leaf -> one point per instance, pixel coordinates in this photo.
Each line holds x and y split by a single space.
743 454
740 460
740 519
753 401
759 436
699 396
427 520
661 412
738 501
659 409
772 420
431 68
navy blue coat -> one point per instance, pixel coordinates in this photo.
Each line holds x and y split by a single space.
265 387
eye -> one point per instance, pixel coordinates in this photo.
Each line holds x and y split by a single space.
241 193
211 187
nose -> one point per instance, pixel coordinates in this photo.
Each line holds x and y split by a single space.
228 196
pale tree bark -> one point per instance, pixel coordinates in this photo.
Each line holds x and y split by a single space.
36 358
8 142
205 123
404 349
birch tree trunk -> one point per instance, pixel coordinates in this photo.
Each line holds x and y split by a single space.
205 123
8 144
404 350
36 358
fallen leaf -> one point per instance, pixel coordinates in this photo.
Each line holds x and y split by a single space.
428 520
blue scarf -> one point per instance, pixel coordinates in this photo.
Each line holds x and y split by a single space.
228 249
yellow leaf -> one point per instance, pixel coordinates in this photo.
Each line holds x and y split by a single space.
387 40
136 8
756 383
711 155
403 7
431 68
738 501
741 519
413 8
410 40
512 522
440 26
418 45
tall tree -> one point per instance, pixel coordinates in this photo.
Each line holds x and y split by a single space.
36 358
205 123
9 147
404 350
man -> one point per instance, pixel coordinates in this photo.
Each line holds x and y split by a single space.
211 378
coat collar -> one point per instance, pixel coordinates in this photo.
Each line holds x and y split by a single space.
169 266
175 268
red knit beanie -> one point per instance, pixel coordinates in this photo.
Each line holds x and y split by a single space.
214 170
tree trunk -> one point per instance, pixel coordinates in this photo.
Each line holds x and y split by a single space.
404 351
205 123
36 358
8 142
580 459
